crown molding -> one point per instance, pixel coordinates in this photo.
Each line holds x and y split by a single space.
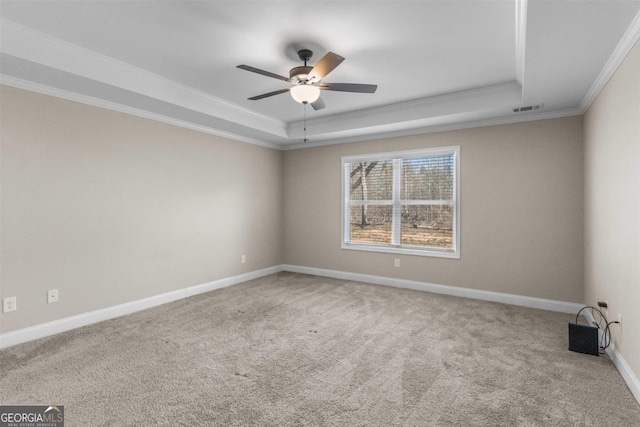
453 111
31 45
504 94
628 41
504 120
100 103
108 105
430 101
521 38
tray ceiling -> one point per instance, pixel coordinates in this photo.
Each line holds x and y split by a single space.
437 64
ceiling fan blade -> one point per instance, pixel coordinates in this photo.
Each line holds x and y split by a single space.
327 64
263 72
318 104
349 87
266 95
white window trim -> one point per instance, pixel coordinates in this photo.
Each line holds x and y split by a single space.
432 252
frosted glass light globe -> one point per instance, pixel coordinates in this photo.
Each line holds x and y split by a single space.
305 93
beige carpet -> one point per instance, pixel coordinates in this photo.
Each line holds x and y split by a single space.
293 349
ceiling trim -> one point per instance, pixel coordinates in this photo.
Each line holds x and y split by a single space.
96 102
506 94
121 108
31 45
444 112
626 43
521 36
424 108
519 118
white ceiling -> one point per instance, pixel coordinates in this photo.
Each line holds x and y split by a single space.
438 64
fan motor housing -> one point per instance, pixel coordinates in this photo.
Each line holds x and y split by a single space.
299 74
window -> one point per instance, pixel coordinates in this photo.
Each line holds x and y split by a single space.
403 202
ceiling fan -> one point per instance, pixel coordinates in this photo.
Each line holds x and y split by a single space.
306 80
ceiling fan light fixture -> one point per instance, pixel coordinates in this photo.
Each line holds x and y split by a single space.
306 80
305 93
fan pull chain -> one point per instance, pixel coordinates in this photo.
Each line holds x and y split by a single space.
305 122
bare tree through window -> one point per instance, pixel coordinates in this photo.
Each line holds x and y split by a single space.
403 201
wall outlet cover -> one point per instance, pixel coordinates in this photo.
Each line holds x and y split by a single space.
52 296
9 304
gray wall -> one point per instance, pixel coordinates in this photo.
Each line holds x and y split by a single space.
521 210
110 208
612 204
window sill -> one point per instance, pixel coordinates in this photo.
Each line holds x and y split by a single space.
430 252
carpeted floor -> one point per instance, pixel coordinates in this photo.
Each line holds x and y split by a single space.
292 349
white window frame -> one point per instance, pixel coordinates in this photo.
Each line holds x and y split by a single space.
396 202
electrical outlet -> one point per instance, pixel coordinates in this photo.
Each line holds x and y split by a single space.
243 259
9 304
52 296
396 262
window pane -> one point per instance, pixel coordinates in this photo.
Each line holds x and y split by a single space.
371 180
371 224
402 202
428 178
430 226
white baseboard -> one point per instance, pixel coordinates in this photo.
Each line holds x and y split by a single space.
623 367
54 327
625 370
540 303
51 328
544 304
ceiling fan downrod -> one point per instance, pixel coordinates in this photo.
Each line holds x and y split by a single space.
305 55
